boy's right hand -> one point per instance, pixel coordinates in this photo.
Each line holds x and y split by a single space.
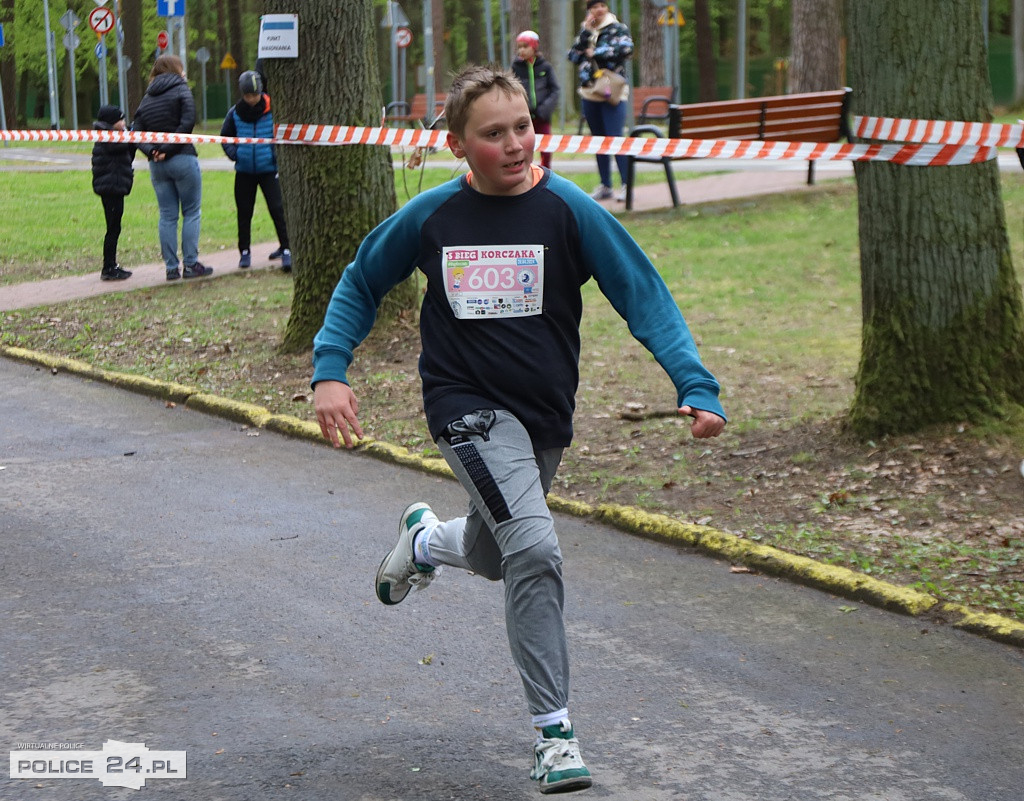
336 412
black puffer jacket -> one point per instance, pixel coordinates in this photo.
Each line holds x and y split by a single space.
112 172
167 106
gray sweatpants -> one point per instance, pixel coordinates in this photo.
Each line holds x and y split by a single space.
509 534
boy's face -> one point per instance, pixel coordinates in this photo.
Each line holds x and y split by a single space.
497 144
252 98
525 51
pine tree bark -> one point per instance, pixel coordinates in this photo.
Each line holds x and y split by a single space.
815 64
136 77
520 18
651 50
333 195
707 80
943 332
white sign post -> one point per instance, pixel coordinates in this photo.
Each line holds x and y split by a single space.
279 36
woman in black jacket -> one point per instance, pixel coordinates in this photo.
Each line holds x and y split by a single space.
173 168
112 177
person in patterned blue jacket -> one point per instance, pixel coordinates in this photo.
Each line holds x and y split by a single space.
505 250
255 166
603 43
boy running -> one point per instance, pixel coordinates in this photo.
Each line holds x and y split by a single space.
505 250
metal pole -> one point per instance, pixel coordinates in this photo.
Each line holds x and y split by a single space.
503 19
51 68
741 49
104 89
206 116
428 50
3 113
564 69
394 51
489 25
74 88
122 82
182 43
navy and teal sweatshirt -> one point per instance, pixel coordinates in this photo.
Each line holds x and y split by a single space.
527 365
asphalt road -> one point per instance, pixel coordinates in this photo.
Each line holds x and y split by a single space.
174 579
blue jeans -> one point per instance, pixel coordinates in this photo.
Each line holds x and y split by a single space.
178 184
606 120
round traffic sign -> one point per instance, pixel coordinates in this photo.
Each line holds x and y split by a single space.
403 37
101 20
161 40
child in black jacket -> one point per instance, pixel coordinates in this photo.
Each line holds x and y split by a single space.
112 177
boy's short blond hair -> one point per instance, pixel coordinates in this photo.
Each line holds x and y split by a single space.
470 84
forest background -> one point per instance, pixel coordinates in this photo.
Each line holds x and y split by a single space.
706 45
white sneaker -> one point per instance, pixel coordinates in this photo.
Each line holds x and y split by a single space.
558 766
398 572
621 195
602 192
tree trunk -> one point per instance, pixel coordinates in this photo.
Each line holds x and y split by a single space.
441 78
651 47
333 195
520 18
815 64
137 75
8 72
707 80
943 333
237 41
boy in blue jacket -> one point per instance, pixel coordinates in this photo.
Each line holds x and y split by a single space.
505 250
255 166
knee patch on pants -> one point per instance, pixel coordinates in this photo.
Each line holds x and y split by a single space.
543 556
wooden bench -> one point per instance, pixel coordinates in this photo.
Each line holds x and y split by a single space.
809 117
650 105
401 111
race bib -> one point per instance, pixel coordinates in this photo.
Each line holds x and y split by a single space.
494 280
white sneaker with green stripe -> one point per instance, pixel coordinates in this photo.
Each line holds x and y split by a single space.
558 766
399 573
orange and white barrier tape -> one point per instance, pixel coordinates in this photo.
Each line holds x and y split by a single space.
922 154
944 132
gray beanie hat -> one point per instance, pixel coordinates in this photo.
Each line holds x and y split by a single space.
250 82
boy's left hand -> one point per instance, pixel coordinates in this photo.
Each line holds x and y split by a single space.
705 424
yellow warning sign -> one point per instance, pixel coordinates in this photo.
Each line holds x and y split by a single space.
671 16
228 63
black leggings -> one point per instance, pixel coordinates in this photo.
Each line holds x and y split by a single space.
113 210
245 202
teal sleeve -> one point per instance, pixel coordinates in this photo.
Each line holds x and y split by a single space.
638 293
387 256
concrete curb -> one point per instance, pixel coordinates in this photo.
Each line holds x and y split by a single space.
839 581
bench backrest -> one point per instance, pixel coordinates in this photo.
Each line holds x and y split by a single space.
418 108
650 103
809 117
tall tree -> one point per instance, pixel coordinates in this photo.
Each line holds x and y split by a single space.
707 79
650 47
237 40
816 61
333 195
520 18
137 74
943 332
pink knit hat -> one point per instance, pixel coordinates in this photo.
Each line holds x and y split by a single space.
529 38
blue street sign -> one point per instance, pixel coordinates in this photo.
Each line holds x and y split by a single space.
1 35
170 8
